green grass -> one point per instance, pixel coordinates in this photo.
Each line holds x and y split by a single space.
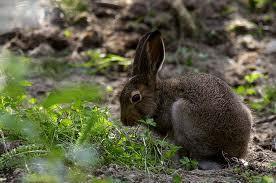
188 164
67 135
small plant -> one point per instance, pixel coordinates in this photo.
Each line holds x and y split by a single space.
67 131
268 99
188 164
251 78
177 178
266 96
252 176
259 5
101 62
148 122
249 87
72 7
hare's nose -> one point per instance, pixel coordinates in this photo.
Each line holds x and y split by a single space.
124 120
128 122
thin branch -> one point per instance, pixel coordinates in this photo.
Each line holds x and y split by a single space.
266 120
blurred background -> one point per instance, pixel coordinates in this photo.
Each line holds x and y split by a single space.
65 43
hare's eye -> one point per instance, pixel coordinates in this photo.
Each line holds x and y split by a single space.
136 98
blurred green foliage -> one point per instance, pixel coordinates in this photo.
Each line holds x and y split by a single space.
266 96
66 134
253 177
188 164
101 62
261 5
72 7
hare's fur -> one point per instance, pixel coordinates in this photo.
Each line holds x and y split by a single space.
201 111
205 116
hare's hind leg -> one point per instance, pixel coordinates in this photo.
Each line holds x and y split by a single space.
192 139
182 126
185 131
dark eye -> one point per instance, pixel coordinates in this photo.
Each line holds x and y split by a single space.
135 98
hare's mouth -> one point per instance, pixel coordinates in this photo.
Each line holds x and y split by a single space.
128 122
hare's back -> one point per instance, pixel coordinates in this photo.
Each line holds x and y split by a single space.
206 89
211 104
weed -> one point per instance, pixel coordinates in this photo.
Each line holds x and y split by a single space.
259 5
266 95
72 7
68 33
177 178
252 176
188 163
67 131
101 62
267 100
249 87
251 78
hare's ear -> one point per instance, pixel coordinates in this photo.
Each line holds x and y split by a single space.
150 54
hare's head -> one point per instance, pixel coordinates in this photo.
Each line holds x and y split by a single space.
138 97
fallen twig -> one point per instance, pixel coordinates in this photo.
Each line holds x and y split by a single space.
266 120
109 5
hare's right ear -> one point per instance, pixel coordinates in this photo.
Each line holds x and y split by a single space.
150 54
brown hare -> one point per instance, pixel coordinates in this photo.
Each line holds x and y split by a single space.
201 112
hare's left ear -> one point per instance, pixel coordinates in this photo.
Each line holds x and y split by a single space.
150 54
155 52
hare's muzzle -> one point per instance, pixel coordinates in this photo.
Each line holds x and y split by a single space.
128 121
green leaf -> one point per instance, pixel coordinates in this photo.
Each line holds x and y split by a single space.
148 122
251 78
177 178
250 91
28 129
66 122
267 179
188 163
75 94
68 34
240 90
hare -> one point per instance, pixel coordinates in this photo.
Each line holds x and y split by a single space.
200 110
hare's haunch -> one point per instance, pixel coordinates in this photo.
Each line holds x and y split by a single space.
205 117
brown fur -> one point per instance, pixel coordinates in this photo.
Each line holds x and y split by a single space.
200 110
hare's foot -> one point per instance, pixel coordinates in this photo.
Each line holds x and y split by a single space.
209 165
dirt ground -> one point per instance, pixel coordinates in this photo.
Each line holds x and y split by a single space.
216 48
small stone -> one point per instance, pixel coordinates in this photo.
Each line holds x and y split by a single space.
132 176
249 42
271 47
42 50
240 25
243 162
